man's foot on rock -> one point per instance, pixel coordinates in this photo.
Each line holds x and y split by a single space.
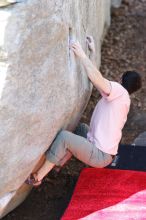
31 180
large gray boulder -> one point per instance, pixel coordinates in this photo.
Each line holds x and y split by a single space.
42 87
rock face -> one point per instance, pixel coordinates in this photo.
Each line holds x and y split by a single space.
4 3
42 87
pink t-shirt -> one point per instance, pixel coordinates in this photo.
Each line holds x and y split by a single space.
108 119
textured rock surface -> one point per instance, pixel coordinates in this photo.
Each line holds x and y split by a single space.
42 87
4 3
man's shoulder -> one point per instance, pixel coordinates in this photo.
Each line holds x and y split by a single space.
117 91
118 86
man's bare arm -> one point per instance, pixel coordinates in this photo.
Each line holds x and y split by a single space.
94 75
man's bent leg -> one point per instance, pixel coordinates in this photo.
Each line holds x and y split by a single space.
80 147
81 130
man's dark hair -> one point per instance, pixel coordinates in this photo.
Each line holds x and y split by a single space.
131 81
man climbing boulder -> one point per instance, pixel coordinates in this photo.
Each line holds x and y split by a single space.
98 144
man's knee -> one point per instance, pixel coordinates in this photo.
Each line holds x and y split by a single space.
64 135
82 130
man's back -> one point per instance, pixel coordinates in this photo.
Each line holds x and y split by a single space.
108 119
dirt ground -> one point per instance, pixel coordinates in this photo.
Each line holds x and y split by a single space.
123 49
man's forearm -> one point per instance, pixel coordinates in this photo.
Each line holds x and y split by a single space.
93 74
92 57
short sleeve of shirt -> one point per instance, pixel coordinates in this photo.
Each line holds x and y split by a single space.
116 91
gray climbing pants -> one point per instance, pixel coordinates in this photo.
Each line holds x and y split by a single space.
67 144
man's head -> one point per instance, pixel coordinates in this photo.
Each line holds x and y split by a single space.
131 81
